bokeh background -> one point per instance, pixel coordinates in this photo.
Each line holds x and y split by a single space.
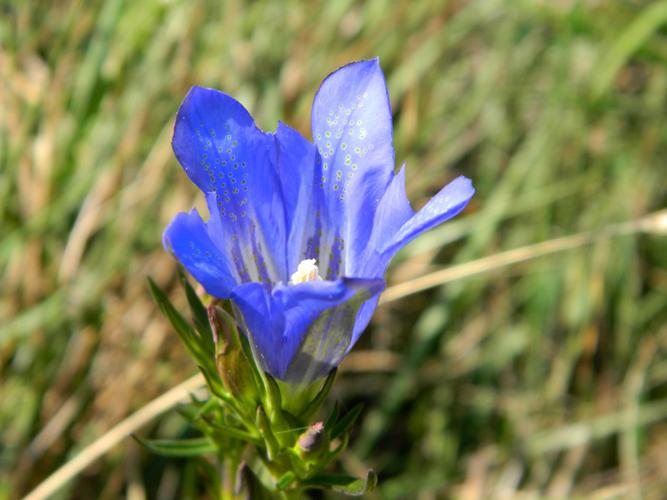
541 377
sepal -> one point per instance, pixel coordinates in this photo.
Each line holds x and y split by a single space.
314 405
273 400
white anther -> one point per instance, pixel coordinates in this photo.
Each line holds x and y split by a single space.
306 271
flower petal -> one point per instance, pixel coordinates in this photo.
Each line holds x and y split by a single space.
187 238
223 152
301 332
326 335
299 167
363 318
352 129
443 206
392 212
263 323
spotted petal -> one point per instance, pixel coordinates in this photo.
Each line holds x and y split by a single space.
352 129
223 152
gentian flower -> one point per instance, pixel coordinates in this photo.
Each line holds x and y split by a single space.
299 235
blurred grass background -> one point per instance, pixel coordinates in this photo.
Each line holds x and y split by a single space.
543 379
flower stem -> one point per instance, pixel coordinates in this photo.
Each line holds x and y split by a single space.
229 486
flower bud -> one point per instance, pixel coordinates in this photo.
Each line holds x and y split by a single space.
312 442
233 366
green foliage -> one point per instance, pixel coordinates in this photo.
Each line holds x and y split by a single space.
546 378
179 447
195 341
343 425
245 418
347 485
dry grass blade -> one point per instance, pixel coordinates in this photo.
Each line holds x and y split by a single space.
654 223
115 435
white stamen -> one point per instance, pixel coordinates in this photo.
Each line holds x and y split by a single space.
306 271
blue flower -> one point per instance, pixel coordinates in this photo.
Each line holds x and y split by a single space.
299 234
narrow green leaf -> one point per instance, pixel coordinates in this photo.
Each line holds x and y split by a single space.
215 386
196 407
286 480
341 483
333 416
317 401
198 311
178 447
179 323
234 432
344 424
203 407
187 334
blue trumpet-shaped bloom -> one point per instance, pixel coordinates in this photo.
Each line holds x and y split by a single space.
299 235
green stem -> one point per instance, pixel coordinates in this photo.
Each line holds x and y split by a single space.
230 467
